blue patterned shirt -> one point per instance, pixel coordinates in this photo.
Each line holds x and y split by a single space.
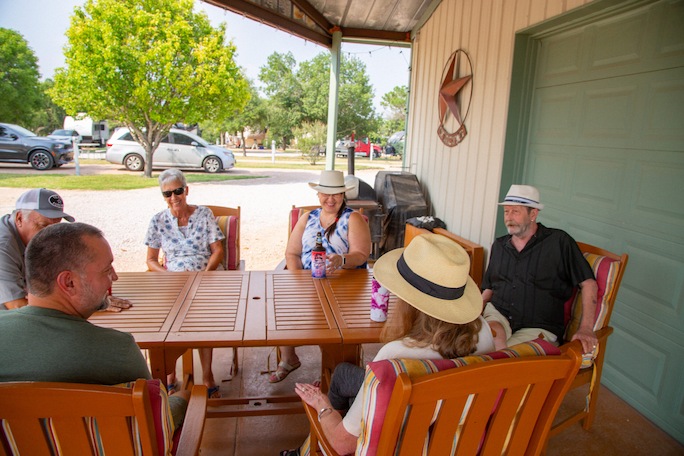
186 249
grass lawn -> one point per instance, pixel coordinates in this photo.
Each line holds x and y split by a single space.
134 180
102 181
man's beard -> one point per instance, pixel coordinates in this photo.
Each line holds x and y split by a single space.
90 296
104 303
518 230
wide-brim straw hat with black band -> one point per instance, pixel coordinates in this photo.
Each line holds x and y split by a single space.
522 195
331 183
431 274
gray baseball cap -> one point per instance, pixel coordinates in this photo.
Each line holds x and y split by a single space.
46 202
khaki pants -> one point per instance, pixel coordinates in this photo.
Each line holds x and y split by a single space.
490 314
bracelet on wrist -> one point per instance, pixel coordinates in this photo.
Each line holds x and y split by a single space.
323 412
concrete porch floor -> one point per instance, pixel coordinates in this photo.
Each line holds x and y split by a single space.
618 429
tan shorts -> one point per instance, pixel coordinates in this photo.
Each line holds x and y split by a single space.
490 314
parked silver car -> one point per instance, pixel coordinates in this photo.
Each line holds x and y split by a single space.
179 149
65 136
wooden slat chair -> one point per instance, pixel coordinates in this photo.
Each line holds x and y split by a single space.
475 251
228 219
608 269
501 403
44 418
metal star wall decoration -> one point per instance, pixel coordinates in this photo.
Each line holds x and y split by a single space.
455 80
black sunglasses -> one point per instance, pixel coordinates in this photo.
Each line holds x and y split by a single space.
179 191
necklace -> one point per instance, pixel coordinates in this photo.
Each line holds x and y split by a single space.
327 223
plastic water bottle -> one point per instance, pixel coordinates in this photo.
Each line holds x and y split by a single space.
318 258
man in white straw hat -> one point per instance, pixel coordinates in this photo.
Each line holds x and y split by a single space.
346 239
35 209
532 271
436 316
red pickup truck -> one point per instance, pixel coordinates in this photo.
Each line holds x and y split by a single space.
361 149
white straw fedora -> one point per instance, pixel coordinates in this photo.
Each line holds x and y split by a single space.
331 183
522 195
431 274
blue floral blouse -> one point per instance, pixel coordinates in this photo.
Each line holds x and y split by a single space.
186 248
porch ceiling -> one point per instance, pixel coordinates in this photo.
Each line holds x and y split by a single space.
316 20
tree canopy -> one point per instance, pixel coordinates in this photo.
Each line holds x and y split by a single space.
148 64
298 94
20 90
395 102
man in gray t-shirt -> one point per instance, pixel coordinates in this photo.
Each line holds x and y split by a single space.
35 210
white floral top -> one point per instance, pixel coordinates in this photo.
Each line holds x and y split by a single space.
186 248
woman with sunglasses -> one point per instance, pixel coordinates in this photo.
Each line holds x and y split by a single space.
346 238
191 241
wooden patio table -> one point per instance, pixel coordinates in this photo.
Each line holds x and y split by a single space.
252 309
348 293
157 298
174 312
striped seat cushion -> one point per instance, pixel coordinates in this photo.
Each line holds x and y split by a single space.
381 376
605 270
161 414
229 226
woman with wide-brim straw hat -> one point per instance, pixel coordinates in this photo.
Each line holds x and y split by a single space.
346 238
437 316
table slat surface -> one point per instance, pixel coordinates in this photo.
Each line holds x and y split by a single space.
213 313
297 310
349 293
156 298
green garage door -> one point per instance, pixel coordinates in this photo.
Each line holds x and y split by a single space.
606 149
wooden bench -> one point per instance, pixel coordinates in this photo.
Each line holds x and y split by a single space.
475 251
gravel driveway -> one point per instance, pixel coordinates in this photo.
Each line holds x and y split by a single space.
124 215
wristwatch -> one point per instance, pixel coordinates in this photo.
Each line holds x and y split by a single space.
344 260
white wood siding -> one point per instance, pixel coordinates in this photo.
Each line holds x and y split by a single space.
462 183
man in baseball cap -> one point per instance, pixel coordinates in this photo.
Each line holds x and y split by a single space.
45 202
35 209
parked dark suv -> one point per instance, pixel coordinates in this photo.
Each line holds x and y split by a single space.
19 145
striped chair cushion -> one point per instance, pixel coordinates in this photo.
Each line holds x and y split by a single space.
381 376
161 414
605 270
229 227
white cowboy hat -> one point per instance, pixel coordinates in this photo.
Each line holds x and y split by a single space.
431 274
331 183
522 195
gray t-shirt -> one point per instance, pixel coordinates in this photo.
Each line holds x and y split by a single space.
12 275
47 345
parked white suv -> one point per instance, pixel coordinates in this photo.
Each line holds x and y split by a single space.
179 149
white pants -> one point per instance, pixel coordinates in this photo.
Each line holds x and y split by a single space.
490 314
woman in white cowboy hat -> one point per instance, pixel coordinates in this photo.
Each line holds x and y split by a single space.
346 238
437 316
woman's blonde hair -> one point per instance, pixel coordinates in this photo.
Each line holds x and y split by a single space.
450 340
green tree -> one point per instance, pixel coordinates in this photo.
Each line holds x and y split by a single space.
311 140
49 116
301 94
355 113
254 117
314 77
20 92
394 102
148 64
284 92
